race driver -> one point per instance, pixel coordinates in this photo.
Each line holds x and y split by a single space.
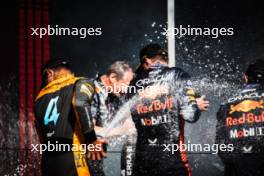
63 116
164 100
241 124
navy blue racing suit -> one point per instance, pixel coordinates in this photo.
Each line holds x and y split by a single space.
241 124
164 100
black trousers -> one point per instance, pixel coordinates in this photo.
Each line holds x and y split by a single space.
54 164
157 164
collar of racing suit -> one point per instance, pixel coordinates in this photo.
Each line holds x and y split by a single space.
253 86
99 86
158 66
59 79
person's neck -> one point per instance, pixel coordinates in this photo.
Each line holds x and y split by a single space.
105 80
63 74
159 63
60 77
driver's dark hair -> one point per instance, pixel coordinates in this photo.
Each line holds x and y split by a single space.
255 72
152 50
54 64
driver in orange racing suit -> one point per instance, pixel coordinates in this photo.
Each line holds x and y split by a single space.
63 117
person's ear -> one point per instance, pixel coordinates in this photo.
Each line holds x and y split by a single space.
113 78
50 75
245 78
148 62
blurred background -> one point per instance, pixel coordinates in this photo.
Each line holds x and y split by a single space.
216 64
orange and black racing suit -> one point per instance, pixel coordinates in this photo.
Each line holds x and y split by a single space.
163 102
63 118
241 124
